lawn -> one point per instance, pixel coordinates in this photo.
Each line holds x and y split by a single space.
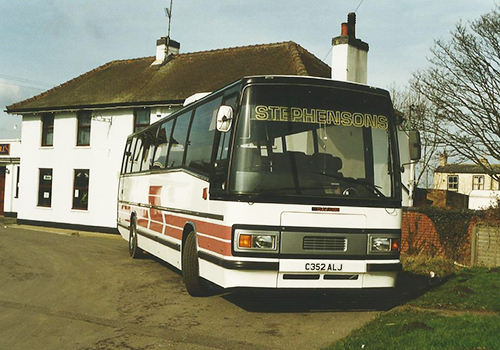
460 310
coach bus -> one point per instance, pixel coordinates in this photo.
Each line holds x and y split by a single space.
269 182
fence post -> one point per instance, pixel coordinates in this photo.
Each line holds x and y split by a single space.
473 246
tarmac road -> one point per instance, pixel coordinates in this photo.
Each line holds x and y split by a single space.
74 290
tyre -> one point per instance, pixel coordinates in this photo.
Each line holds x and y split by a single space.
133 248
195 285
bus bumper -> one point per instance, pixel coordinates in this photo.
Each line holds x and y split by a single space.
301 273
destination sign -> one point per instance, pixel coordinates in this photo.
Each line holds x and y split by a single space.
319 116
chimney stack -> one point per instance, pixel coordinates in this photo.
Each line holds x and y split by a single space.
443 158
166 47
349 55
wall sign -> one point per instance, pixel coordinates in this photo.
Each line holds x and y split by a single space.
4 149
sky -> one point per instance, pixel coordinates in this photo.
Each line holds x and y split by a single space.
44 43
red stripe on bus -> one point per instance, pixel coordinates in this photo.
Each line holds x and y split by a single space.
157 227
174 232
223 248
208 228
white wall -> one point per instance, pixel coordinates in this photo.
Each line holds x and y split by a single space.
464 182
11 163
349 63
103 158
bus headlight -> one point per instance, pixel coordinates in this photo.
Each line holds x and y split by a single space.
383 244
246 240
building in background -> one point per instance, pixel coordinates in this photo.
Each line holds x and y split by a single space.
73 135
469 180
10 155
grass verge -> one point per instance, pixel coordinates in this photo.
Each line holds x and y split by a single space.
409 329
460 310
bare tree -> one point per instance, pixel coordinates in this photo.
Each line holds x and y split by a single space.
418 115
463 89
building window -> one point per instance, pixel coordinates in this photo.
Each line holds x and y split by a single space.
81 189
83 132
45 188
478 182
452 182
18 170
48 129
141 118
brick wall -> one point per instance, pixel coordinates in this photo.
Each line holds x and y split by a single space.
419 236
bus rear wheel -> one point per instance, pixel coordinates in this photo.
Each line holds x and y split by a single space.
195 285
133 248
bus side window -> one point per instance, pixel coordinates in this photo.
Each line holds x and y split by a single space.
178 140
149 144
130 160
126 155
137 159
222 150
201 136
161 152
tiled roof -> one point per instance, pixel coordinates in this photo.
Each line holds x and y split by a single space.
136 82
465 169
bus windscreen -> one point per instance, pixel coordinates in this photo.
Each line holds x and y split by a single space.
313 141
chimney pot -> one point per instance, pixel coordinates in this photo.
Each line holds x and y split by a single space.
351 24
344 30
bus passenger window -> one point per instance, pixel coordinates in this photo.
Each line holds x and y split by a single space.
178 140
148 140
130 160
201 136
136 164
160 156
126 155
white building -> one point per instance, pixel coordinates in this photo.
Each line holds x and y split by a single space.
10 155
73 135
471 180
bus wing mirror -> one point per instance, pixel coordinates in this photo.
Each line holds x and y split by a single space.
224 118
415 145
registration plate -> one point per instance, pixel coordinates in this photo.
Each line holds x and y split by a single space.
325 266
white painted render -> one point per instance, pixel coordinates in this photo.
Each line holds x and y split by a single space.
349 63
465 181
109 130
11 164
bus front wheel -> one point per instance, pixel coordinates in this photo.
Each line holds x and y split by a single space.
195 285
133 248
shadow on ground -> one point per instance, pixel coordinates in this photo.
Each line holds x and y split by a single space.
409 287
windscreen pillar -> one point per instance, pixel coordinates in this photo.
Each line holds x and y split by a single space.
349 55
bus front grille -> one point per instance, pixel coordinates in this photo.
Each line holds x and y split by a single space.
337 244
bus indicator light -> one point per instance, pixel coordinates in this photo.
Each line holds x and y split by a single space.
245 241
395 245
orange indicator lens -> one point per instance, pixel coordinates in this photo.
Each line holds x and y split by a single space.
245 241
395 244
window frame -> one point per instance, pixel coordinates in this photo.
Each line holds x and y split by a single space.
18 177
82 128
455 184
47 129
479 184
140 126
42 172
85 189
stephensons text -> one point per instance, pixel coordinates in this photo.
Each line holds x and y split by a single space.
319 116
